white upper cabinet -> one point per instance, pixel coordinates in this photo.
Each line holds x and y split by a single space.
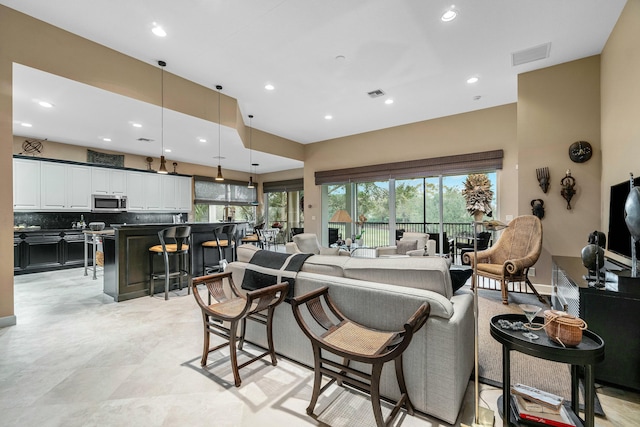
26 185
185 198
40 185
108 181
65 187
136 198
176 193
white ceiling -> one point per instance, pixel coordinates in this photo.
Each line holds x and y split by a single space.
401 47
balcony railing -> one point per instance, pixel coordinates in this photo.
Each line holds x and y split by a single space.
377 233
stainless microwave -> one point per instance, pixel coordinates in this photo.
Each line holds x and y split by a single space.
108 203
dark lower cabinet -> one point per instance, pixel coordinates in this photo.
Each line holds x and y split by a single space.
47 250
613 313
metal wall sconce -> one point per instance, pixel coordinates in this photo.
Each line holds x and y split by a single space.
537 208
568 184
543 178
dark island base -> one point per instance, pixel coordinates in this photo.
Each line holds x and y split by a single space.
126 262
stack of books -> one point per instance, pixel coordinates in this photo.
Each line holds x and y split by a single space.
539 408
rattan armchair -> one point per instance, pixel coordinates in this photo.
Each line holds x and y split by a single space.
510 258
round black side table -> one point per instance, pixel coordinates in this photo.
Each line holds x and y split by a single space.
589 352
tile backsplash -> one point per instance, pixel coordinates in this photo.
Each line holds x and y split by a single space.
64 220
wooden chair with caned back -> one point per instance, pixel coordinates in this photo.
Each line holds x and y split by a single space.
234 307
330 331
510 258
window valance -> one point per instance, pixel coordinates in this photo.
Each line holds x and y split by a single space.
281 186
447 165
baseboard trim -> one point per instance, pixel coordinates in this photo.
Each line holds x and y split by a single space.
543 289
8 321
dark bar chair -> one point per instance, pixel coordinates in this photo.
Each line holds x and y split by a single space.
224 235
174 242
352 341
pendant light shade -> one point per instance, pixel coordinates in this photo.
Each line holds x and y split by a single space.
250 185
219 176
163 163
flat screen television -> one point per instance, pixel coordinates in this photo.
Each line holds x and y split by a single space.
619 238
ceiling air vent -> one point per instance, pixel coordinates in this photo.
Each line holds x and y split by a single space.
532 54
375 93
144 139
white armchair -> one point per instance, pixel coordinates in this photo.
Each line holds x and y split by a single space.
308 243
412 244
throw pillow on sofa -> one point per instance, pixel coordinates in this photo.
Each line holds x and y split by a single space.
406 245
329 251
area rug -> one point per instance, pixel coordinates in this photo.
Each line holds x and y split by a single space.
546 375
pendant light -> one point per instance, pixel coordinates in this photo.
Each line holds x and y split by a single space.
219 176
255 169
163 163
250 185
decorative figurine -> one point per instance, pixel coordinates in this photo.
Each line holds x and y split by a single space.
632 219
537 208
543 178
593 258
568 184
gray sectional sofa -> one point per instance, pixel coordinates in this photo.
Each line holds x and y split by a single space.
383 293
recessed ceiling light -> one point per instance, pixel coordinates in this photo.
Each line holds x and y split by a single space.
449 15
136 125
202 140
389 101
472 80
106 139
328 117
269 86
27 125
167 150
45 104
158 30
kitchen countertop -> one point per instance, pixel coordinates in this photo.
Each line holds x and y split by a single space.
50 230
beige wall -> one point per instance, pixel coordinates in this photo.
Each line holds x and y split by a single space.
556 107
30 42
483 130
620 104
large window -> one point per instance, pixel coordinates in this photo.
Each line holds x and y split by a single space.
434 205
284 205
223 201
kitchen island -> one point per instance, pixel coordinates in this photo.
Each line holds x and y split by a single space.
126 256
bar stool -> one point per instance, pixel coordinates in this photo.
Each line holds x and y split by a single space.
180 236
352 341
229 311
224 235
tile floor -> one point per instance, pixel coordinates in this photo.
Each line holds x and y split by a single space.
76 358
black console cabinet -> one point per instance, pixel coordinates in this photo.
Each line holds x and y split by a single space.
613 315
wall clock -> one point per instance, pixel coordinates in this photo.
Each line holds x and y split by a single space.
580 151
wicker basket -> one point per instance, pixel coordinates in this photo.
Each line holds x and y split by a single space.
563 328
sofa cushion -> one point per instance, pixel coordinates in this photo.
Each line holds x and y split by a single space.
440 306
403 246
329 251
330 265
425 272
